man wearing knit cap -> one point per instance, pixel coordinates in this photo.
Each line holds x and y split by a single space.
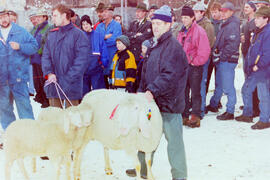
199 11
247 31
163 80
139 30
225 57
196 45
258 72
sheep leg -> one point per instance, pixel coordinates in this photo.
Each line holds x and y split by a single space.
108 169
137 164
8 166
21 165
57 163
148 165
67 163
34 165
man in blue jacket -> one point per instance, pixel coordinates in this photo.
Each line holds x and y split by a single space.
110 29
65 59
257 71
16 45
225 58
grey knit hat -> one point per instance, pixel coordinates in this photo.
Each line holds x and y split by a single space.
146 43
124 39
163 13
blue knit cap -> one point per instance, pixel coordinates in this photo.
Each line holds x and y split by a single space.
163 13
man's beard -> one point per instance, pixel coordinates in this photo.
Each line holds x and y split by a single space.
5 24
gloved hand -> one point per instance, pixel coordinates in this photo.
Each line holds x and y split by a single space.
215 57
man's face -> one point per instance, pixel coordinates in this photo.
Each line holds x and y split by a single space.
40 19
247 9
198 15
260 22
100 15
4 20
58 18
107 14
33 20
118 19
226 13
216 14
160 27
140 14
187 20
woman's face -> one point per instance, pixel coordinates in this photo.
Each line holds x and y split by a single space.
86 26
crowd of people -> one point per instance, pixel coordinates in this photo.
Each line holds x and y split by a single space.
170 63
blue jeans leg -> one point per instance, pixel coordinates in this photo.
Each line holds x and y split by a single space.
215 99
227 79
203 87
7 115
31 80
264 97
247 90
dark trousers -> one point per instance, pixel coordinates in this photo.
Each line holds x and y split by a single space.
55 102
193 86
211 67
39 84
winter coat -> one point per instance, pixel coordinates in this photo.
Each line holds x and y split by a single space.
206 24
259 46
66 54
248 30
40 33
228 40
115 29
217 25
14 64
195 43
98 52
123 71
136 41
165 74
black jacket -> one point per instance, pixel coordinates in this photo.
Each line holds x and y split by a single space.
248 30
165 74
136 41
228 40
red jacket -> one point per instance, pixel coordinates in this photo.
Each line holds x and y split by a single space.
196 44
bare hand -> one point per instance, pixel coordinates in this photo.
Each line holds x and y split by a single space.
149 96
108 36
255 68
14 45
52 78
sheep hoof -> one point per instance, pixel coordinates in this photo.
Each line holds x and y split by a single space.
108 171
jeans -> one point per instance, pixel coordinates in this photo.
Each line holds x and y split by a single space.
193 85
263 88
173 130
93 81
31 81
203 87
226 75
20 93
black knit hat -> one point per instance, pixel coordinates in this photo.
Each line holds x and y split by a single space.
87 19
187 11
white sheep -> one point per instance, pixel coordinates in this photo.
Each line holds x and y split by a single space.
122 121
30 138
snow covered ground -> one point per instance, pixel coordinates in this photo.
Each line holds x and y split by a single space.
215 151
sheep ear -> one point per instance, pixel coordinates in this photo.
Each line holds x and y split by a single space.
87 115
66 124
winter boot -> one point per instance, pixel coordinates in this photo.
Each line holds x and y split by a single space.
243 118
185 121
194 121
212 109
132 173
261 125
225 116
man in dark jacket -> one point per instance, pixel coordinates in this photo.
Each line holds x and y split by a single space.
139 30
225 57
65 59
40 32
247 31
163 80
257 71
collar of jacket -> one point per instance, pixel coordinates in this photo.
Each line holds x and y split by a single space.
214 21
190 27
162 38
229 20
42 25
200 20
66 27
